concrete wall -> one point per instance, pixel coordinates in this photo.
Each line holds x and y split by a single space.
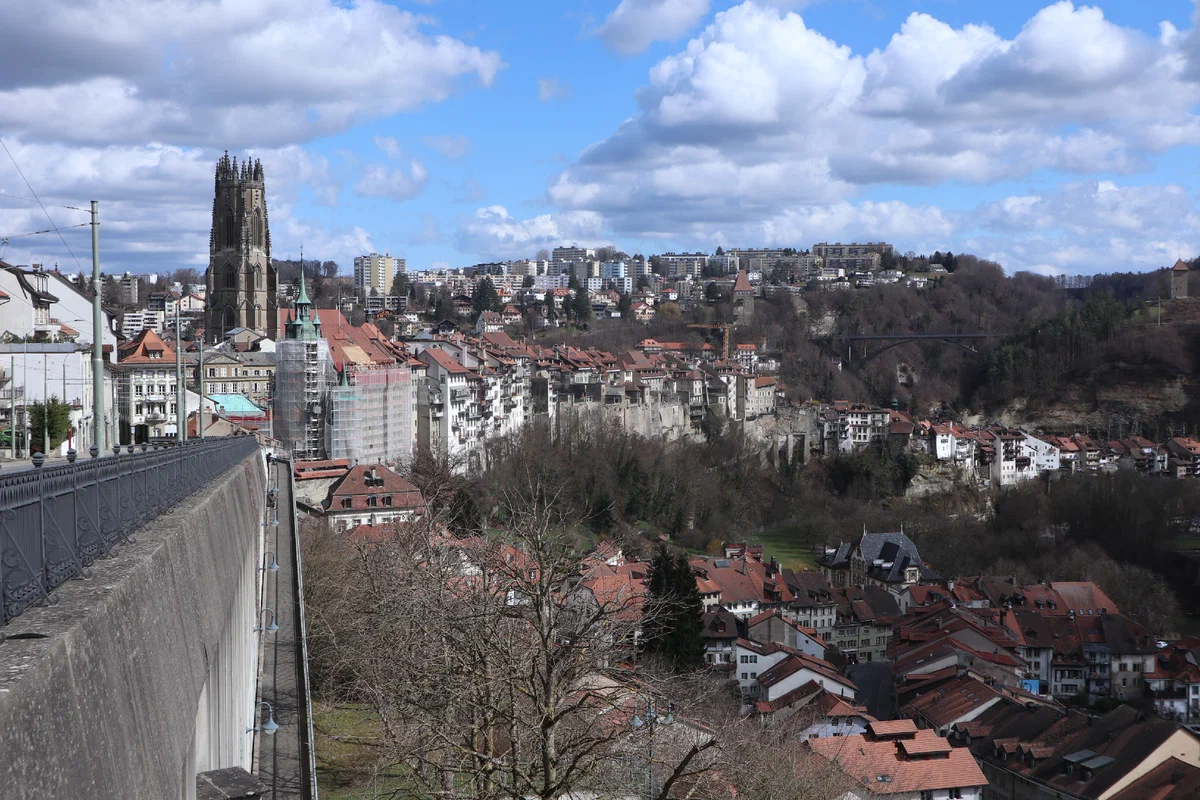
108 705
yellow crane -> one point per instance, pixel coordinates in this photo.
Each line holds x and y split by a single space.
724 328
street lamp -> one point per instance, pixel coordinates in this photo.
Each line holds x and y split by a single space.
269 727
258 622
274 566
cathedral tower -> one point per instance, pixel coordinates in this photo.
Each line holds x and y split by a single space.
241 281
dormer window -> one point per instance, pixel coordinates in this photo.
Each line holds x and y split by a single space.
347 502
154 353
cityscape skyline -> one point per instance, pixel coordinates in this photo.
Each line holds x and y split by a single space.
459 134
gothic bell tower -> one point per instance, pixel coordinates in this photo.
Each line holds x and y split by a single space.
241 281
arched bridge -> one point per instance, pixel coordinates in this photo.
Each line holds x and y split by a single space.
886 341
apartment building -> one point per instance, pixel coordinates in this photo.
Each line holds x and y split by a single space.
375 273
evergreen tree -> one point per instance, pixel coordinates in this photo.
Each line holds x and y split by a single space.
485 297
673 612
444 309
582 305
58 423
527 282
625 306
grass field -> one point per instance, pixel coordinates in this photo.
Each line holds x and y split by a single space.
784 543
346 736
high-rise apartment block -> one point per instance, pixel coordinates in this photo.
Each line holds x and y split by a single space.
375 273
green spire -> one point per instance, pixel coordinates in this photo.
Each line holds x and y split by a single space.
303 298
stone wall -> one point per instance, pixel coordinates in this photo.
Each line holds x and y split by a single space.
105 706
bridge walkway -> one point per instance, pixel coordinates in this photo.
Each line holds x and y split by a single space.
281 761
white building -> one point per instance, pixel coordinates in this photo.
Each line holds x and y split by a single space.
31 372
453 398
129 288
134 322
375 272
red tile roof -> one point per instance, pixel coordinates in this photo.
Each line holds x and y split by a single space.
355 487
881 766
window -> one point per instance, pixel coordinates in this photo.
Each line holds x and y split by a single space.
212 372
347 502
745 676
372 501
956 793
138 408
138 389
174 406
387 499
926 795
753 674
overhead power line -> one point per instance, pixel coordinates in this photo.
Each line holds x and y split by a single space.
31 200
29 186
47 230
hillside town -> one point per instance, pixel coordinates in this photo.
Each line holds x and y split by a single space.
911 683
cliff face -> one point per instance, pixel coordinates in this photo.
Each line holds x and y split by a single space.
1118 399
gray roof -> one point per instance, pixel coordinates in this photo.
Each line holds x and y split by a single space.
895 549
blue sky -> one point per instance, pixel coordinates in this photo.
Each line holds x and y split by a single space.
1055 137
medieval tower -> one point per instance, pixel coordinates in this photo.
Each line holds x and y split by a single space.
1179 280
241 281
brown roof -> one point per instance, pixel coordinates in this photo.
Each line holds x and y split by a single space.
1180 266
881 766
1170 780
893 727
139 349
742 284
952 700
374 480
445 361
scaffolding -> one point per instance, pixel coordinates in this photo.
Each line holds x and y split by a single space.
303 373
371 414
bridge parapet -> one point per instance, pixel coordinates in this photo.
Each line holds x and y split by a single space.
143 673
56 521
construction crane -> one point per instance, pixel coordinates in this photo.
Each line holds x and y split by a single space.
724 328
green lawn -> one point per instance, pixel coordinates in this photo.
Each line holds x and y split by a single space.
346 735
784 543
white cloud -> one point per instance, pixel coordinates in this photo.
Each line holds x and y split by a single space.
1088 226
552 89
390 147
762 128
380 180
233 73
492 233
155 204
132 102
634 25
449 145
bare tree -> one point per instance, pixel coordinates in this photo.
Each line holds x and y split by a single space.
501 668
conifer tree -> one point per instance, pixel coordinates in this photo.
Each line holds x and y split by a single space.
673 609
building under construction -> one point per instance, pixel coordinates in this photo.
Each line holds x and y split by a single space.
341 393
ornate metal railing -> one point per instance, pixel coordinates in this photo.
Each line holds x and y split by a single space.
55 521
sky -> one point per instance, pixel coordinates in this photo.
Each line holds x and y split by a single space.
1052 137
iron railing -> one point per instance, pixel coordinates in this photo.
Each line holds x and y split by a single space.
55 521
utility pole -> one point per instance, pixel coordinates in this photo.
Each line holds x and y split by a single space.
97 341
200 344
45 405
180 390
12 407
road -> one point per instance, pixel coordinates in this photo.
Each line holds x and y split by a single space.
874 682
